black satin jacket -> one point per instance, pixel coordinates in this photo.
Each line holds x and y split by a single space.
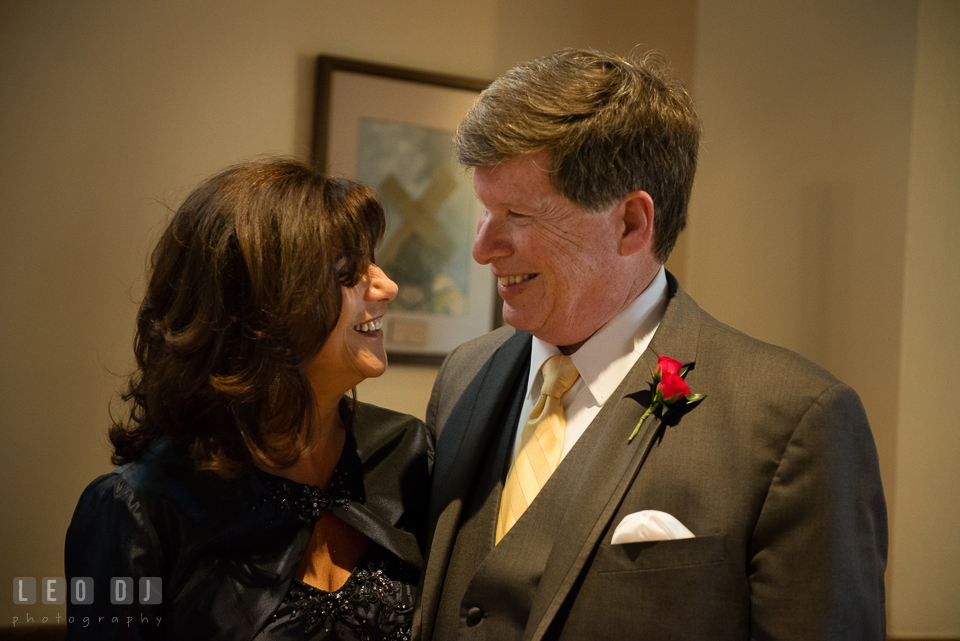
225 552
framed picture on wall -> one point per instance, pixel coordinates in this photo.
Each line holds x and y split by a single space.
392 129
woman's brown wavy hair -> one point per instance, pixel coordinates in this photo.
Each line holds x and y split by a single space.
244 289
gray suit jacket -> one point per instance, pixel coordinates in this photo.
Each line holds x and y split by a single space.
775 472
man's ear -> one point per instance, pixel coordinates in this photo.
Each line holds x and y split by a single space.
637 230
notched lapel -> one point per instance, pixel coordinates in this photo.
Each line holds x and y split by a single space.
467 431
464 438
614 463
605 479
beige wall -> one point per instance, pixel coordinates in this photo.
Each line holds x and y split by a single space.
925 573
825 220
800 204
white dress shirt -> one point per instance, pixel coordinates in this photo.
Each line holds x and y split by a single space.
603 361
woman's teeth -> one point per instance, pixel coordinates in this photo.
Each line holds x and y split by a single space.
372 326
513 280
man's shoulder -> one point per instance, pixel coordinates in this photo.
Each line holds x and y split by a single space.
468 365
469 359
750 372
755 357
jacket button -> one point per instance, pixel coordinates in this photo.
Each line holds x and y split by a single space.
473 616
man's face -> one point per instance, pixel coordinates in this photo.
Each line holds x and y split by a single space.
559 267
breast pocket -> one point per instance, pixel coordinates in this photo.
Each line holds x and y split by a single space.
676 590
659 555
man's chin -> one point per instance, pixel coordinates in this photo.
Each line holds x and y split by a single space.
515 318
568 341
519 320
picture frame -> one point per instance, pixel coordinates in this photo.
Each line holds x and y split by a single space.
392 129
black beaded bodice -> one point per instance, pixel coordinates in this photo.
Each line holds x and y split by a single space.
375 603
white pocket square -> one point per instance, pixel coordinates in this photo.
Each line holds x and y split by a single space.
649 525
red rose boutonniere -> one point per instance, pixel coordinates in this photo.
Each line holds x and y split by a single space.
669 390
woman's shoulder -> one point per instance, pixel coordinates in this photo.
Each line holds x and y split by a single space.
386 417
396 452
166 469
164 483
164 461
377 429
122 518
159 465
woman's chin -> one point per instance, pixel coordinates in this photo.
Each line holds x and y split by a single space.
374 367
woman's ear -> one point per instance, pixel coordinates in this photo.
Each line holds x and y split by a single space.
637 232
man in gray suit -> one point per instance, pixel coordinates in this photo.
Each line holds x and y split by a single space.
736 498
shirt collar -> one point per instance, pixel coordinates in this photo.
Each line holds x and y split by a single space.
608 355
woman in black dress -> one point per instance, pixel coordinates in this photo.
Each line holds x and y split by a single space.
253 499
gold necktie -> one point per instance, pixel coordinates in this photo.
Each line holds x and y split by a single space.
541 443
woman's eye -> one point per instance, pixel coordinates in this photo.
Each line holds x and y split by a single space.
353 271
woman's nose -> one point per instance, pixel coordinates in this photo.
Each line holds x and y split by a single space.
381 287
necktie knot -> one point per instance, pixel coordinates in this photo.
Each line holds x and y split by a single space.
559 375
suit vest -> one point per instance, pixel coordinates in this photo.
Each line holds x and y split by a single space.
488 590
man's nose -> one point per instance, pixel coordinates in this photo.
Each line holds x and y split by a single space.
491 241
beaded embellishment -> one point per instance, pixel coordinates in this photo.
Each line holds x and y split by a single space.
308 502
371 603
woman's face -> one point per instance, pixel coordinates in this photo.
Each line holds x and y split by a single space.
354 351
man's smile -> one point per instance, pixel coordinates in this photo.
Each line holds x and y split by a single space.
513 280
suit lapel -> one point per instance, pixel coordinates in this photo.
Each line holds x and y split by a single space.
469 429
466 435
614 463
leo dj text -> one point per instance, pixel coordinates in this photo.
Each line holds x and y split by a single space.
119 590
